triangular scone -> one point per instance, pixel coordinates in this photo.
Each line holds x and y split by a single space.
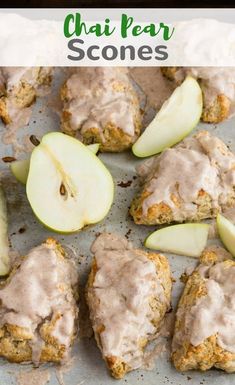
19 87
128 294
38 311
190 182
100 105
204 333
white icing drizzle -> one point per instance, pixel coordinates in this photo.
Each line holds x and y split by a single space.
199 163
41 289
214 313
98 96
125 282
11 79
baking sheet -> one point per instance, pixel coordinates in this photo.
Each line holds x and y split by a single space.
86 365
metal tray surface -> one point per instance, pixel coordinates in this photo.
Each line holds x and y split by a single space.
87 366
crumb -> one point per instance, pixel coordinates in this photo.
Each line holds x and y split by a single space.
125 184
128 233
8 159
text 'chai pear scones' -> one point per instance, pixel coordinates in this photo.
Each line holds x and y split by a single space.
100 105
128 294
218 87
194 180
19 87
38 312
204 334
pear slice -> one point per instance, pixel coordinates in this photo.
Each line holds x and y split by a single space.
186 239
4 243
68 187
94 147
20 168
175 120
226 230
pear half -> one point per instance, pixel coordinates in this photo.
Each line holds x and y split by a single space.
226 230
175 120
20 168
4 243
187 239
68 187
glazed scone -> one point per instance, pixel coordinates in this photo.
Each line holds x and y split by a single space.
100 105
38 312
218 87
204 334
190 182
128 294
19 87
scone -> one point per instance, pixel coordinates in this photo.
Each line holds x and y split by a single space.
100 105
19 87
128 294
190 182
205 321
38 309
218 87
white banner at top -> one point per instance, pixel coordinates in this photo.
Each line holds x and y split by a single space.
129 37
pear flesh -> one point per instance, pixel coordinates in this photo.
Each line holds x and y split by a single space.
178 116
93 147
4 243
20 168
226 230
68 187
184 239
